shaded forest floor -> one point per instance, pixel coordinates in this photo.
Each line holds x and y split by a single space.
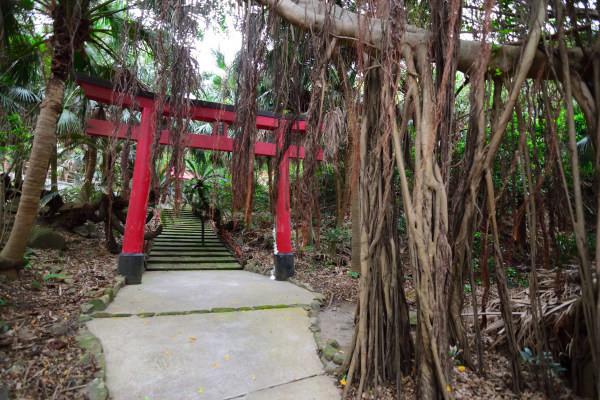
39 357
332 276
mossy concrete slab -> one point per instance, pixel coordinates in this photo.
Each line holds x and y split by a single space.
163 291
215 355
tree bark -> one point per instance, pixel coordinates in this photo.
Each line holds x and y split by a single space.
588 303
54 169
69 29
383 348
311 15
90 168
43 143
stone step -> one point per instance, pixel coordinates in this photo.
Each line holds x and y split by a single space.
180 246
194 238
187 232
175 244
194 234
188 237
197 226
190 234
188 253
186 225
187 242
193 266
189 227
183 245
185 260
187 249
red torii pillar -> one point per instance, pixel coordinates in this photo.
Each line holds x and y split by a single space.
284 258
131 260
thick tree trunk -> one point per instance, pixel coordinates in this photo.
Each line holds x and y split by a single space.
67 36
43 144
383 348
54 169
90 167
355 211
589 292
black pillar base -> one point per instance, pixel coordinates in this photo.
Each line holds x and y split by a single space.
284 266
131 266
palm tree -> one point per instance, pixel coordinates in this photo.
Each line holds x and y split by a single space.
72 25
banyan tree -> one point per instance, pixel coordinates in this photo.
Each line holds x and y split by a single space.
408 58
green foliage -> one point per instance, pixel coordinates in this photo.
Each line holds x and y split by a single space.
532 363
514 278
338 235
567 246
50 276
262 201
16 141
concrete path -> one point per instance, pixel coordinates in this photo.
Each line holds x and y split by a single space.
246 347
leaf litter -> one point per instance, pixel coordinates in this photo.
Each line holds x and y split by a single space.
39 357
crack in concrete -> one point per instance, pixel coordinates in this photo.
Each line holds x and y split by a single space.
239 396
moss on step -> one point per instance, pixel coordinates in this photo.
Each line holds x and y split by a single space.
146 314
109 315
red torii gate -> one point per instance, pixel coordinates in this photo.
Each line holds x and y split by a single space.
131 259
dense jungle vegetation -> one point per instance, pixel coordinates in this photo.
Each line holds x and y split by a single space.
460 172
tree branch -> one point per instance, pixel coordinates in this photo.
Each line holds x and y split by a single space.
311 15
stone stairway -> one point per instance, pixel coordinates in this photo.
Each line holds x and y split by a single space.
180 246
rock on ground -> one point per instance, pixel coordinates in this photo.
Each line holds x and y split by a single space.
45 238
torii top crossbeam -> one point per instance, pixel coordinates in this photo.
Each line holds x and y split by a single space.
131 260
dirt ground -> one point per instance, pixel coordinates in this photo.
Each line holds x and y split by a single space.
39 357
337 322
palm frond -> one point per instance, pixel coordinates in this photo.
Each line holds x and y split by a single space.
585 151
68 123
23 94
